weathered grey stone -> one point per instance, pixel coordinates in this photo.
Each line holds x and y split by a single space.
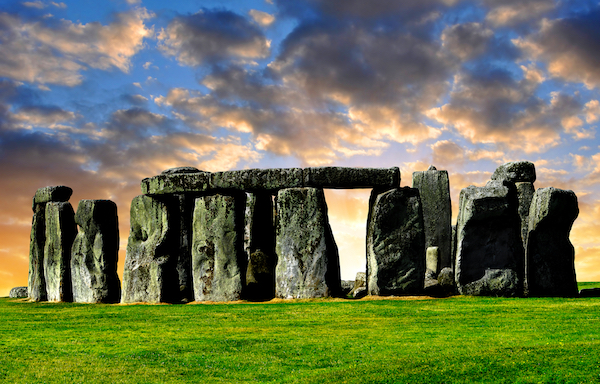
347 286
218 259
176 183
60 233
396 244
518 171
360 284
454 242
95 253
446 280
495 282
550 254
431 259
18 293
178 170
590 292
345 177
308 261
434 189
258 179
53 193
525 193
488 234
181 209
37 282
359 292
150 264
260 276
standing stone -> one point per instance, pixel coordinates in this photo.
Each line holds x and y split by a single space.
37 282
515 172
181 211
218 259
488 238
396 244
60 233
434 189
550 254
525 191
308 263
95 253
150 264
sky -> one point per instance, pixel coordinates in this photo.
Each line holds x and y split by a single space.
98 95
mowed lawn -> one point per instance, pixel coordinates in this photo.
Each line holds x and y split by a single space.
453 340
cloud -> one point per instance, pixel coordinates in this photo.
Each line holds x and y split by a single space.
570 47
212 35
509 13
57 53
466 40
262 18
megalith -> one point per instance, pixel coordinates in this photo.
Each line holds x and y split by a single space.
60 233
434 190
18 293
525 191
488 238
218 258
550 254
150 273
95 253
396 244
308 263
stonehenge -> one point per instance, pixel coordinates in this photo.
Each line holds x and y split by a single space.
259 234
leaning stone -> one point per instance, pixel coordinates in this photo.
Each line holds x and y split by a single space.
396 244
260 276
488 234
550 254
590 292
525 193
37 282
495 282
59 193
308 261
18 293
218 259
176 170
434 190
60 233
518 171
346 177
170 183
258 179
150 264
95 253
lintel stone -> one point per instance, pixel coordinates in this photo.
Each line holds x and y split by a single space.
347 177
271 179
176 183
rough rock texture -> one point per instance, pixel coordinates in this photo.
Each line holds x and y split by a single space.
169 183
308 261
258 179
396 244
260 276
446 281
175 170
360 285
94 254
525 193
516 172
60 233
345 177
218 259
347 286
431 259
181 209
488 234
434 189
59 193
495 282
150 264
18 293
37 282
550 254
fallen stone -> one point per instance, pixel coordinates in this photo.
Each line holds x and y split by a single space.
525 193
218 259
495 282
150 264
60 233
269 180
59 193
308 261
170 183
37 282
260 276
590 292
18 293
550 254
396 244
515 172
95 253
359 293
488 235
346 177
434 190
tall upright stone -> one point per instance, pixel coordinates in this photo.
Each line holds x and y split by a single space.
218 258
396 244
308 261
525 191
60 233
95 253
550 254
37 283
434 189
150 273
490 255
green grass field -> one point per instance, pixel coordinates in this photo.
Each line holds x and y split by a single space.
454 340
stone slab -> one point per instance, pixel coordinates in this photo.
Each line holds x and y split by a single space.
52 193
348 177
173 183
271 179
